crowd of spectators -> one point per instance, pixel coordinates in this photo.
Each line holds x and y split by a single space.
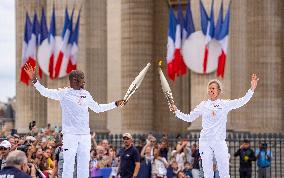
43 149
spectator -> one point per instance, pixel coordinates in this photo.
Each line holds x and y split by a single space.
179 154
114 161
33 128
195 160
104 143
47 163
263 156
102 160
180 174
164 148
17 166
38 157
93 160
152 141
5 147
159 166
174 166
146 156
47 130
146 160
246 155
188 169
129 158
13 143
141 144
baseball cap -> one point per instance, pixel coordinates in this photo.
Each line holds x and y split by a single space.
5 144
127 135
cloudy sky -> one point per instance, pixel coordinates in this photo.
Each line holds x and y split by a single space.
7 49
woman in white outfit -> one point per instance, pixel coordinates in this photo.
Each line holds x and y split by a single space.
214 113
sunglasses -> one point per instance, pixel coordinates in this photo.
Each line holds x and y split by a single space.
126 138
3 148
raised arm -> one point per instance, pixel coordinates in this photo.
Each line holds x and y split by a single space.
237 103
188 117
49 93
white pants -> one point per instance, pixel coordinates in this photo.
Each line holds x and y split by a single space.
195 173
72 145
218 148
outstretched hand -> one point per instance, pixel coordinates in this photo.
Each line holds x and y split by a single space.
254 80
30 71
120 103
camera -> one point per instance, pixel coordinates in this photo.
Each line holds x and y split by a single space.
24 147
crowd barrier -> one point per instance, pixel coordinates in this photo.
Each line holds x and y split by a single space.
144 172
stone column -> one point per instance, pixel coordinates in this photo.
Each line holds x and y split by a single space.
264 22
96 59
114 67
137 51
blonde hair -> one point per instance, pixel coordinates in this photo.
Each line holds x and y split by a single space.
219 84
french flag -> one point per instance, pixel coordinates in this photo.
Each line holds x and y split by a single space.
222 35
30 55
207 27
72 62
66 33
171 44
51 40
27 37
188 22
176 65
43 35
178 59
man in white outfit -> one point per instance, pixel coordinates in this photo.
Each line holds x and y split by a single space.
74 101
214 113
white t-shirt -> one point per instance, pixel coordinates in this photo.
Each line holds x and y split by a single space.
214 116
160 167
74 106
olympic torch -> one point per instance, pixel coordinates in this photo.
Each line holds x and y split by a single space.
166 87
136 83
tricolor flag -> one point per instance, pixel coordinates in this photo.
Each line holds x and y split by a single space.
171 44
222 37
31 48
207 26
66 33
27 36
72 62
43 35
178 59
51 40
35 40
188 24
175 61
